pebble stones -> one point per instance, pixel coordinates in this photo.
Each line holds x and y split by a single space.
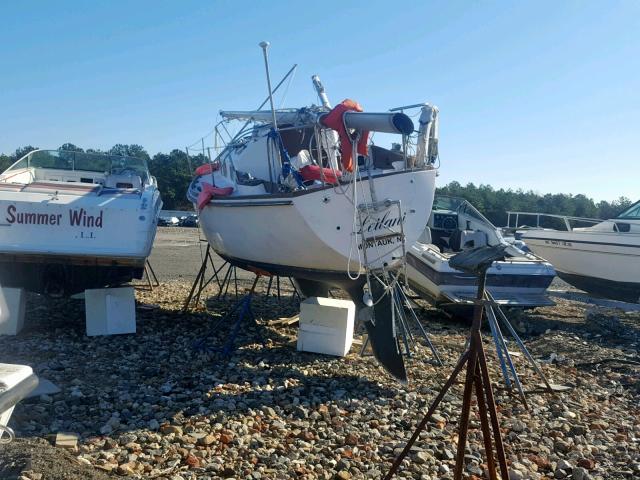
149 406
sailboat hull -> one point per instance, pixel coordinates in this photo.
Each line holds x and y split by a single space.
312 232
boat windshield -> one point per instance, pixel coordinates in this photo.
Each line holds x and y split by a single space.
633 212
467 209
82 161
443 202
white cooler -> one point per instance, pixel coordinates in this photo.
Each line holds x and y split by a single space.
326 326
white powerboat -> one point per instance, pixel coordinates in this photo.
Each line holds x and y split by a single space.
521 280
300 193
602 259
71 221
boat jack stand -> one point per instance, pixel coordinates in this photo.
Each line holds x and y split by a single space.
242 310
475 261
150 274
506 364
199 283
229 276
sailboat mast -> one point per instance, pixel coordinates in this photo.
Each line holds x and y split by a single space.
265 46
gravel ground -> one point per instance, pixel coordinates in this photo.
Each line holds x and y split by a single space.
151 406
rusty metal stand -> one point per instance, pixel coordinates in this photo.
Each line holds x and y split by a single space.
224 279
242 312
477 377
152 279
199 283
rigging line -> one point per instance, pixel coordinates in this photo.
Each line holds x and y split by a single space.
286 89
201 138
275 89
287 75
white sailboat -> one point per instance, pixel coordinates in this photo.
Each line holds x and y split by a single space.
602 259
300 193
71 221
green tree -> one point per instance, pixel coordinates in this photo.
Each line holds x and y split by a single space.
132 150
70 147
5 162
21 152
173 176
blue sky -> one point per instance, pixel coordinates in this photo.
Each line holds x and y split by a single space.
535 95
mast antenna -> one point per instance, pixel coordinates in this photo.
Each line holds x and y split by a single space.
317 84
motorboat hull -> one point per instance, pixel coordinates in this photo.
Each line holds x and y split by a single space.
597 262
51 277
600 287
63 243
513 283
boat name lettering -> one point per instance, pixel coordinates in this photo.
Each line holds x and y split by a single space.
78 217
381 242
379 223
561 243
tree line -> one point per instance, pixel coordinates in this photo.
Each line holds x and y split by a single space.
173 171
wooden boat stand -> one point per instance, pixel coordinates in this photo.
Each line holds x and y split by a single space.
477 377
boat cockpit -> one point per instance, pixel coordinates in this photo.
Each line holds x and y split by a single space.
456 225
62 170
303 153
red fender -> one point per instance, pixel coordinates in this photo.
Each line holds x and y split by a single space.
209 191
314 172
333 120
207 168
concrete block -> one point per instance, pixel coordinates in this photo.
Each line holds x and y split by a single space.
12 308
326 326
110 311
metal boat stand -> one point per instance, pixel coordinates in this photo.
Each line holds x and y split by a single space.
224 276
406 336
231 275
199 283
242 311
507 367
150 274
475 261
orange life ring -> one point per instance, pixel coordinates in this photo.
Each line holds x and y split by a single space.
334 120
